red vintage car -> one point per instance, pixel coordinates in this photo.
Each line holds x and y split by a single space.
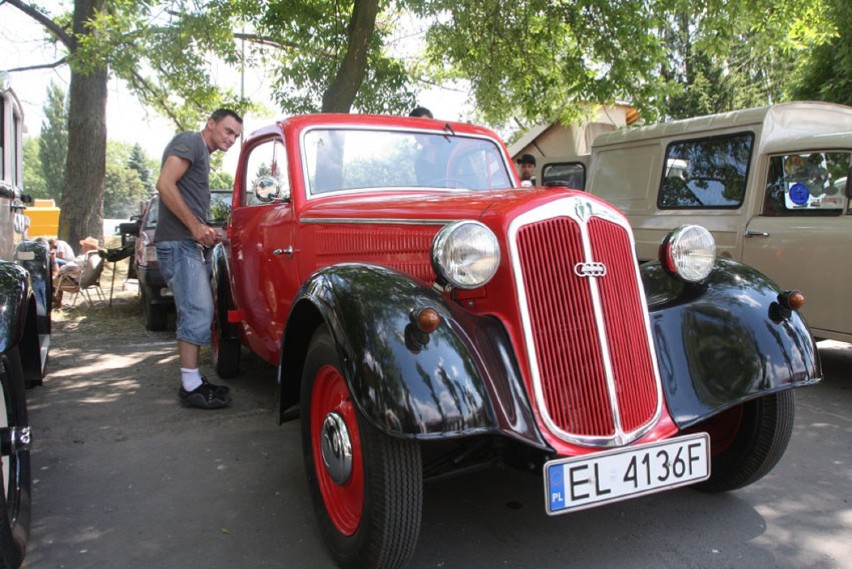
429 316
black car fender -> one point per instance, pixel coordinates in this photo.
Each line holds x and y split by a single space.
725 340
35 258
18 325
405 383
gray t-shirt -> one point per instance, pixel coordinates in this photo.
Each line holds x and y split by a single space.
194 186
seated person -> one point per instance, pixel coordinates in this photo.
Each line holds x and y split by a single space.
73 268
60 251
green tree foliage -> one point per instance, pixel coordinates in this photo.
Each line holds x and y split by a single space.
533 59
221 180
824 71
139 162
34 183
326 55
124 189
53 142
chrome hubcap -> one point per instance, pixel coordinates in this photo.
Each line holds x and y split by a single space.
15 439
336 447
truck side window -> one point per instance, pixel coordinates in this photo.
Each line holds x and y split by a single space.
809 184
708 173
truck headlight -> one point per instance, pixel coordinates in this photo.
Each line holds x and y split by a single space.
466 254
688 253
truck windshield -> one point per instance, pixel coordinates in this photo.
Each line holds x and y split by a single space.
355 159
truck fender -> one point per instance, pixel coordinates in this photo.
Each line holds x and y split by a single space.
724 341
412 390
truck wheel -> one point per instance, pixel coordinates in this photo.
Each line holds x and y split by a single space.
155 315
14 442
225 352
747 441
367 487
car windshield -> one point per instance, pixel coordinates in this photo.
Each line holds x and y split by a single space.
354 159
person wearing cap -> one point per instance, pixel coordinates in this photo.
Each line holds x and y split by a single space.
526 169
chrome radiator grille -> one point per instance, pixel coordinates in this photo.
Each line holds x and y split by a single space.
585 320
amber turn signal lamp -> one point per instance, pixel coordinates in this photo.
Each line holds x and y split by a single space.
427 320
792 299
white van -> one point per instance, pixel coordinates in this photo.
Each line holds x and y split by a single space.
771 184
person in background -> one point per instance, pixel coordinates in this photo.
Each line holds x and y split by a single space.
72 268
526 169
422 112
184 241
61 252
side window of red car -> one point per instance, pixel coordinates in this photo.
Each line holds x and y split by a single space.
265 178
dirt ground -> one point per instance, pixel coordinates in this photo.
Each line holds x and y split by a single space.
123 476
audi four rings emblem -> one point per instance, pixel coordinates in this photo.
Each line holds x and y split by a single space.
593 269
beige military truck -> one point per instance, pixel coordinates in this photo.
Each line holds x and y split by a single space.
771 184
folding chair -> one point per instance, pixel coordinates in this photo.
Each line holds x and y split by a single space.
85 280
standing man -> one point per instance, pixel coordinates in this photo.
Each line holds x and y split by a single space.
526 168
184 242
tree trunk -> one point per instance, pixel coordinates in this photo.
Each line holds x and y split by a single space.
82 196
340 95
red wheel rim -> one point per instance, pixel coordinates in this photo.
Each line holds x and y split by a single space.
343 502
723 429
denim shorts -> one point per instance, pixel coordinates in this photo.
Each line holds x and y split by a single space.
185 266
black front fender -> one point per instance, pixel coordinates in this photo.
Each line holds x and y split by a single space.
404 388
724 341
14 293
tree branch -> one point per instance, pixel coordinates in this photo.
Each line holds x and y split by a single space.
57 63
60 34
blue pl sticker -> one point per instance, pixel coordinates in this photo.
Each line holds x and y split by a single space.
799 194
557 487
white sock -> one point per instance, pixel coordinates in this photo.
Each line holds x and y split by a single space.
190 378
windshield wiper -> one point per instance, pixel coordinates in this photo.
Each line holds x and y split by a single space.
448 130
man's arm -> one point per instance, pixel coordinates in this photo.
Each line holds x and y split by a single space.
173 170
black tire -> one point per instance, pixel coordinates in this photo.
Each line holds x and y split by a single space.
751 451
225 352
379 528
15 473
156 316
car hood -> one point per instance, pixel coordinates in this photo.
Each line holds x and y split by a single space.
430 205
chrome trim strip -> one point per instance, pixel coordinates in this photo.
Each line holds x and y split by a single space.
372 221
582 209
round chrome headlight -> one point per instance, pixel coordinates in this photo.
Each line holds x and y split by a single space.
466 254
688 253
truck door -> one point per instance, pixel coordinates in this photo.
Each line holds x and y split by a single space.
801 237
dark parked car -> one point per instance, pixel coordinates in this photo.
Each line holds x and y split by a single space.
157 299
25 303
428 316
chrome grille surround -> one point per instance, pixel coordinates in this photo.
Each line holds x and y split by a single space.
581 211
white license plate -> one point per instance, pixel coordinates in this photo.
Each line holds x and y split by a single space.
572 484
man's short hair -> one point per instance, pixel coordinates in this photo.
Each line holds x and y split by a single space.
527 159
219 114
421 112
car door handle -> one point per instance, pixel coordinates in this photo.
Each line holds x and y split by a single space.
750 233
286 251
